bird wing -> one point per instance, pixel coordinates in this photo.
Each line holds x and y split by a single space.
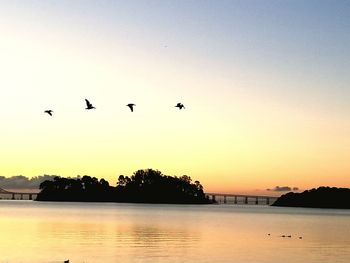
88 103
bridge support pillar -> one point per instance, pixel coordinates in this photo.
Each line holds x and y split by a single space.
21 196
30 197
13 196
228 198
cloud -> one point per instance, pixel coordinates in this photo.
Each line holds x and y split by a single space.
22 182
283 189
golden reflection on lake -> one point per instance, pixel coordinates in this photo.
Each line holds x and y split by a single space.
92 232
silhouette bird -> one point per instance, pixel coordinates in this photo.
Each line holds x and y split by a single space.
180 106
269 234
283 236
289 236
89 105
49 112
131 106
300 237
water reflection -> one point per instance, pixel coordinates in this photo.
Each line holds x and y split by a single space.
46 232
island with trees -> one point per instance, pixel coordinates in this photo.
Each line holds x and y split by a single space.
144 186
322 197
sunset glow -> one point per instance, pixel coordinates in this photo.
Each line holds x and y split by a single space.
267 103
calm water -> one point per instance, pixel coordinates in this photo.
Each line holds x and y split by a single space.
52 232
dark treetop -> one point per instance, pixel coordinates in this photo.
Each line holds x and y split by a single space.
144 186
322 197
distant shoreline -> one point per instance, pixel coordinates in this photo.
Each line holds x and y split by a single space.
322 197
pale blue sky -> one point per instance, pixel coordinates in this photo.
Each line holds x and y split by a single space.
294 39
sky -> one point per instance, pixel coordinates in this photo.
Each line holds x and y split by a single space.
265 85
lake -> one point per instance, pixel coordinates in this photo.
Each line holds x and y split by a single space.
108 232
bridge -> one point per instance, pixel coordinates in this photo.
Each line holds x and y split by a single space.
216 197
18 194
243 199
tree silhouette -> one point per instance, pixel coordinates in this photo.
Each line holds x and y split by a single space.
322 197
144 186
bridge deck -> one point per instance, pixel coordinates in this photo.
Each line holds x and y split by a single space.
241 195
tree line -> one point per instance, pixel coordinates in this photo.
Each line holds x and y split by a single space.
144 186
322 197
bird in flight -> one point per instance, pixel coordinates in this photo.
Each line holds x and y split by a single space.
49 112
131 106
89 105
180 106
